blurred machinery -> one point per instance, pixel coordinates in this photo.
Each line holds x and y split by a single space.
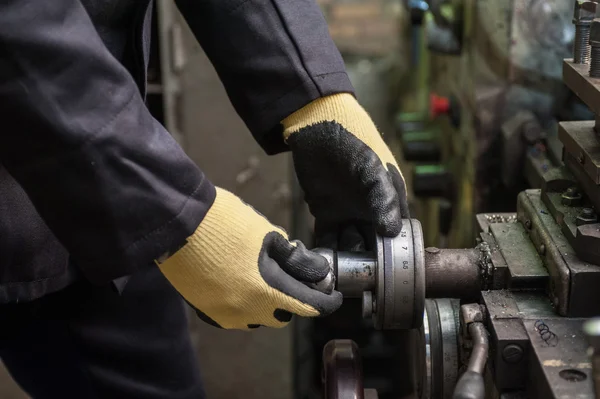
513 316
503 319
488 91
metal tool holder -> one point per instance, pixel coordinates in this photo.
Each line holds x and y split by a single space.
571 194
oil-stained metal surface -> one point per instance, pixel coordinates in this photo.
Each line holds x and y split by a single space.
525 265
584 237
501 274
548 369
541 158
452 273
484 220
580 140
561 370
583 180
505 325
577 79
543 231
574 282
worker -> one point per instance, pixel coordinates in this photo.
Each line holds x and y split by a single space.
107 227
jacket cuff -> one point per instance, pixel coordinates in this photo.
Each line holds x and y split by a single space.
168 237
266 125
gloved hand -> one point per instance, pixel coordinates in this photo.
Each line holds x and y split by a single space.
240 271
346 170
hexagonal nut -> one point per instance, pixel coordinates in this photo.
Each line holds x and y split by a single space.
584 12
571 198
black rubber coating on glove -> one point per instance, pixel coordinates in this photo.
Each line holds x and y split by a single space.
297 261
344 180
274 274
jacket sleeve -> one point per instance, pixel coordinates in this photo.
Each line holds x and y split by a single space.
109 181
273 56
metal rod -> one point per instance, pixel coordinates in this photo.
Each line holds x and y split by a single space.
452 273
355 273
481 346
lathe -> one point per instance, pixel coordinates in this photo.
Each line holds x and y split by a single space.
515 315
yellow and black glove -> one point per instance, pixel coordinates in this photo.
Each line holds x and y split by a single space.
239 271
348 173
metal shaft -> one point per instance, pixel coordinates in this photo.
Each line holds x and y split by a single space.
582 44
452 273
449 273
356 273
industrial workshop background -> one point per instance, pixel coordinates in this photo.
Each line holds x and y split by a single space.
186 95
469 95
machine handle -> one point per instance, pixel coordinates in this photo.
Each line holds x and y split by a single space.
469 386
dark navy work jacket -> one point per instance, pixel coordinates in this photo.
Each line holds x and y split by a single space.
91 186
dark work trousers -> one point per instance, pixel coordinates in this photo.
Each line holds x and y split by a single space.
90 342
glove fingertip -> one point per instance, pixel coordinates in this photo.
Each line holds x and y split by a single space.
300 263
390 224
330 303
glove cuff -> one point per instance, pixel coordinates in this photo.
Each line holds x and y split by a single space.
228 221
344 110
341 108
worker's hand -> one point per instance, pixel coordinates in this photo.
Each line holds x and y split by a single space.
346 170
241 271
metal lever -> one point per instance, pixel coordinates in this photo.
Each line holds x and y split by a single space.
470 385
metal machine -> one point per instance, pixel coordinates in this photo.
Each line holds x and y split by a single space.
496 64
514 316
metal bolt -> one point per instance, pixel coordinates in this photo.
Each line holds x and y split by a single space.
571 197
595 49
587 216
528 224
542 249
512 353
583 15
